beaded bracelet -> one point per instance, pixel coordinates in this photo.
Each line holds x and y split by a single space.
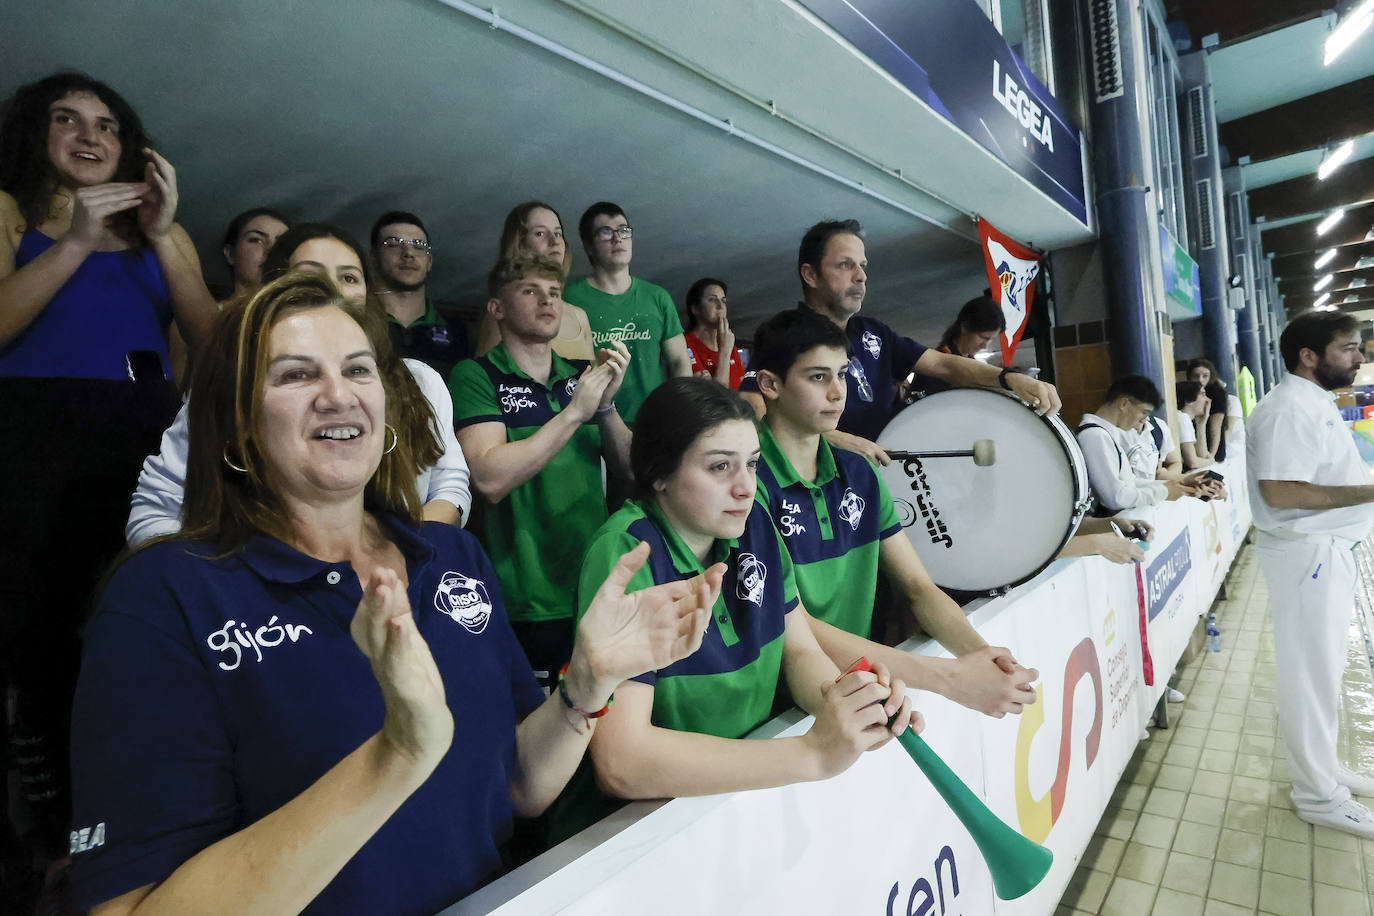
567 700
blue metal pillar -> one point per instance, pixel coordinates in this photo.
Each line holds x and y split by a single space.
1126 225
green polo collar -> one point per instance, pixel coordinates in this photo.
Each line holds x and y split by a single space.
684 561
560 370
783 470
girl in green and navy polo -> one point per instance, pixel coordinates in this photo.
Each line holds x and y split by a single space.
674 731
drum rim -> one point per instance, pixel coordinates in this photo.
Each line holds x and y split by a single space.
1063 436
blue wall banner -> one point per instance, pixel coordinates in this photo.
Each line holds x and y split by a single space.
950 55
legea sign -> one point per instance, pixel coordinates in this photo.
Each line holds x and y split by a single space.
949 54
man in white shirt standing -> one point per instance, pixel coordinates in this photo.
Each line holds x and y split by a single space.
1108 437
1310 494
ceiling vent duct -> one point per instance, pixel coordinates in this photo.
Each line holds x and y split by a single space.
1197 122
1206 215
1107 81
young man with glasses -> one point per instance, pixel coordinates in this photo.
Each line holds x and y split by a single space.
402 253
625 308
833 270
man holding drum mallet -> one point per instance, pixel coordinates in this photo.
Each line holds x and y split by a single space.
840 526
833 269
1310 493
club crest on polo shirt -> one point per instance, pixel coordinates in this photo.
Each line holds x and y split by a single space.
753 576
873 343
465 599
852 508
570 387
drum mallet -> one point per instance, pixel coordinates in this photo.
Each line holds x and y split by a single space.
983 453
1017 863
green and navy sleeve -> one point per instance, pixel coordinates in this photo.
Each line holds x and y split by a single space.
474 395
888 522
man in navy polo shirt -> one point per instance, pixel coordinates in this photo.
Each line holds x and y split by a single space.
840 526
404 257
833 269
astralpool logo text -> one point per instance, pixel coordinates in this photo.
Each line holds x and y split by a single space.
1163 576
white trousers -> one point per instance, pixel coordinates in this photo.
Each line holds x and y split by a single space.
1311 599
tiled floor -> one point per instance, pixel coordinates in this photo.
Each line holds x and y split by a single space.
1201 823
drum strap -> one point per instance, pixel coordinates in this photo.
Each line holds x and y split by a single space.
1147 663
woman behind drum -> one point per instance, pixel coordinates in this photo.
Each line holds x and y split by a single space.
535 230
245 739
977 325
443 482
674 731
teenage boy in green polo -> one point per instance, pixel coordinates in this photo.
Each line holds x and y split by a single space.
534 428
840 527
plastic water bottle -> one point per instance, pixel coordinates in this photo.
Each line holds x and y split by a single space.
1213 634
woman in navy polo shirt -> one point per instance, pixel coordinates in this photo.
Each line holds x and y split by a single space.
672 730
309 700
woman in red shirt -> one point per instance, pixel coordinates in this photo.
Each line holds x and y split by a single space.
709 333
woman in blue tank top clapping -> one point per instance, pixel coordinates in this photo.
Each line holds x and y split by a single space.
94 273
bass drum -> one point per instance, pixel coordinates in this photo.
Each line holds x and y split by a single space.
985 529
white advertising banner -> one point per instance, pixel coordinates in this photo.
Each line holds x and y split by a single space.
879 839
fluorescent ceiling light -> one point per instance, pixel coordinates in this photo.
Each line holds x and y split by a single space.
1325 259
1335 159
1350 27
1322 283
1321 300
1325 225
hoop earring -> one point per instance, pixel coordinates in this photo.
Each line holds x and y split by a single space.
231 465
394 439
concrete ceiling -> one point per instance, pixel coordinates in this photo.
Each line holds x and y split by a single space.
336 111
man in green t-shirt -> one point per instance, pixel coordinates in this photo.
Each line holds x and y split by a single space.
626 309
534 428
838 521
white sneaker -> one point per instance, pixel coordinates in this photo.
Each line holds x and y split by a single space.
1175 696
1349 816
1144 734
1358 783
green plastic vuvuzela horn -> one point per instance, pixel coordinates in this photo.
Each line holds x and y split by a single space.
1017 863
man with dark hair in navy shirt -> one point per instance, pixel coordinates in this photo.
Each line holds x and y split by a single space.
833 270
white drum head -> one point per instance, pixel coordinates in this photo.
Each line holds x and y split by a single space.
984 528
